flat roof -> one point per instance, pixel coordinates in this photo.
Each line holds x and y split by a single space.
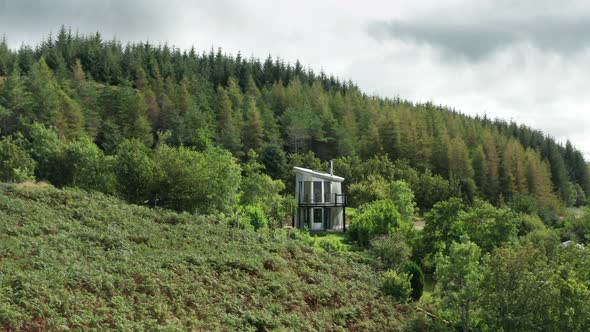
322 175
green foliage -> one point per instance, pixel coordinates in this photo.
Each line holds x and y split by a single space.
50 104
85 112
374 219
373 189
202 182
275 161
391 251
576 227
416 279
403 198
46 149
431 189
260 189
84 165
84 86
459 277
331 244
443 226
14 99
254 215
488 226
529 223
377 188
91 262
524 289
135 171
523 204
16 165
397 285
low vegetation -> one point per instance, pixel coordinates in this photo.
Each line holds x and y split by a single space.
76 261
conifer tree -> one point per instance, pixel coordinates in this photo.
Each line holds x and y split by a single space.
14 100
253 131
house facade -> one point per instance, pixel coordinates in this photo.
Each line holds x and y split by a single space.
321 205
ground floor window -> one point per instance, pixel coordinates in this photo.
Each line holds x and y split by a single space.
317 216
303 217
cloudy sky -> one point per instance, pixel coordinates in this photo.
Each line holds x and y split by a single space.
528 62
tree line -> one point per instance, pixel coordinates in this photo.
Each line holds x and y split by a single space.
89 88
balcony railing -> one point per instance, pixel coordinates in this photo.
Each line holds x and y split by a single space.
329 200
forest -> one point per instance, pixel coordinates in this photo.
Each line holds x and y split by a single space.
215 135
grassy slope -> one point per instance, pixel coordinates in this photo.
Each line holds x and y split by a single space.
72 260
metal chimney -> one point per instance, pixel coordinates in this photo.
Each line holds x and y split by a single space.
332 167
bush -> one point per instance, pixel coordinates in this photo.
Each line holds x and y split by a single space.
377 218
391 251
254 215
397 285
522 203
15 163
203 182
528 223
416 279
85 165
403 198
331 245
135 171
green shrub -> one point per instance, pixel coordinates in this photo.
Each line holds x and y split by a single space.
522 203
397 285
416 279
529 223
377 218
16 165
331 244
403 197
391 250
254 215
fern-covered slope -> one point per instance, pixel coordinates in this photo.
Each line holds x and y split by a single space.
72 260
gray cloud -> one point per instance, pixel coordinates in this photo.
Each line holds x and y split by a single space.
476 37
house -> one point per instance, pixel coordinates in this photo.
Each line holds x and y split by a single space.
321 205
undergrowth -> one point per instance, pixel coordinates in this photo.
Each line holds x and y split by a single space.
71 260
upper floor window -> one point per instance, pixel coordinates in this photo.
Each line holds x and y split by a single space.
327 191
317 191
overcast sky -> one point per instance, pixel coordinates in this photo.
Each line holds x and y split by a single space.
529 62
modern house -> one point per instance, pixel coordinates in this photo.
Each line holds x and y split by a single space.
321 205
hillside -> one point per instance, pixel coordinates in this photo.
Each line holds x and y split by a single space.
71 260
126 134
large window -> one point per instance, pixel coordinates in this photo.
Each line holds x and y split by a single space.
304 217
307 191
317 191
317 216
327 191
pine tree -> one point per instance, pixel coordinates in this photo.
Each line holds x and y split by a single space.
538 176
14 100
491 188
480 168
52 105
512 168
228 134
153 108
459 161
253 131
